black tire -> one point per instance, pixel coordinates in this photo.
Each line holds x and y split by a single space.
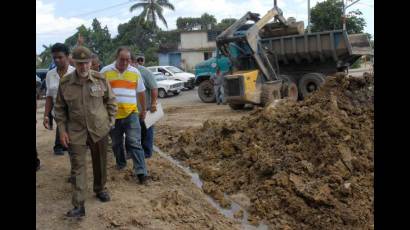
269 93
309 83
206 92
176 93
237 106
162 93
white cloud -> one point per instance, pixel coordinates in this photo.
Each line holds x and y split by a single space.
48 23
51 28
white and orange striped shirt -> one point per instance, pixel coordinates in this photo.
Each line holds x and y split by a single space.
125 86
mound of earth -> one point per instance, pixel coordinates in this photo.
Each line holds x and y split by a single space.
302 165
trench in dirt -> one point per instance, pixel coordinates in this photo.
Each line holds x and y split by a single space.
229 213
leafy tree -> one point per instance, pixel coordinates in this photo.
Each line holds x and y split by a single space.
207 19
81 31
96 38
327 15
45 57
152 9
136 32
189 23
225 23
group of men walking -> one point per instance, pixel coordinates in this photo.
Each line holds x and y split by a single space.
88 104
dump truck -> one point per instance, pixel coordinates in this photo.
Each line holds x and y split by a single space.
265 61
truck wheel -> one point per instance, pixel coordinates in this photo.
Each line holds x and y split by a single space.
270 92
162 93
176 93
206 92
309 83
237 106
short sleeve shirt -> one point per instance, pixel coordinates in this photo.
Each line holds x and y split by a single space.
149 82
53 80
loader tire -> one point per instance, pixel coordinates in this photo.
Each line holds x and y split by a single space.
237 106
269 94
206 92
309 83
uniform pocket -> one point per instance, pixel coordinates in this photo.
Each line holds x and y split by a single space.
96 90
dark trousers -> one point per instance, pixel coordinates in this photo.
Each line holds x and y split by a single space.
147 139
130 126
78 161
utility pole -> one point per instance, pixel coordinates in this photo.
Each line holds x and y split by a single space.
344 12
308 25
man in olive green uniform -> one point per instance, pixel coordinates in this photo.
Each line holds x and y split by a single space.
85 112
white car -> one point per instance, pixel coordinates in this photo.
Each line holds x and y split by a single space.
174 73
166 86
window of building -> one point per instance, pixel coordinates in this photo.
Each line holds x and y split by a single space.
212 34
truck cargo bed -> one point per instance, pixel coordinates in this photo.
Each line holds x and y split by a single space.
334 46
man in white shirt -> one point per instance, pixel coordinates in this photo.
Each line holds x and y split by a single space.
60 54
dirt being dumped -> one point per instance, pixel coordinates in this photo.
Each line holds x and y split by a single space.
300 165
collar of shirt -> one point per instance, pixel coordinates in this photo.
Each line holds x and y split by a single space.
55 73
112 66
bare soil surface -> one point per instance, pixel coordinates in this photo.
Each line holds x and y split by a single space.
297 165
169 201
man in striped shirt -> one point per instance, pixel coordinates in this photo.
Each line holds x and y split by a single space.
126 82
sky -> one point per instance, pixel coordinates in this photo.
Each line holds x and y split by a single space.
56 20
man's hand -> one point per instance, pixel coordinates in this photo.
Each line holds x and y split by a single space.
153 108
64 139
46 122
142 115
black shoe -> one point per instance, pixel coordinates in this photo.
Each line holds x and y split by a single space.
103 196
142 179
76 212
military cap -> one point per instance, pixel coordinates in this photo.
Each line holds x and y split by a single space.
81 54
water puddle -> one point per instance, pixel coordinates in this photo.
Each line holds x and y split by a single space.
235 207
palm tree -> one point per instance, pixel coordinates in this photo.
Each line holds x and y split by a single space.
152 9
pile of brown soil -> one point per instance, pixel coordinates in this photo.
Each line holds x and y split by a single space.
303 165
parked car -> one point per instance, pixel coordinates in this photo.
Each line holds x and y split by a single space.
166 86
174 73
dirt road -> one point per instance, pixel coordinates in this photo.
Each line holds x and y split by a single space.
170 201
